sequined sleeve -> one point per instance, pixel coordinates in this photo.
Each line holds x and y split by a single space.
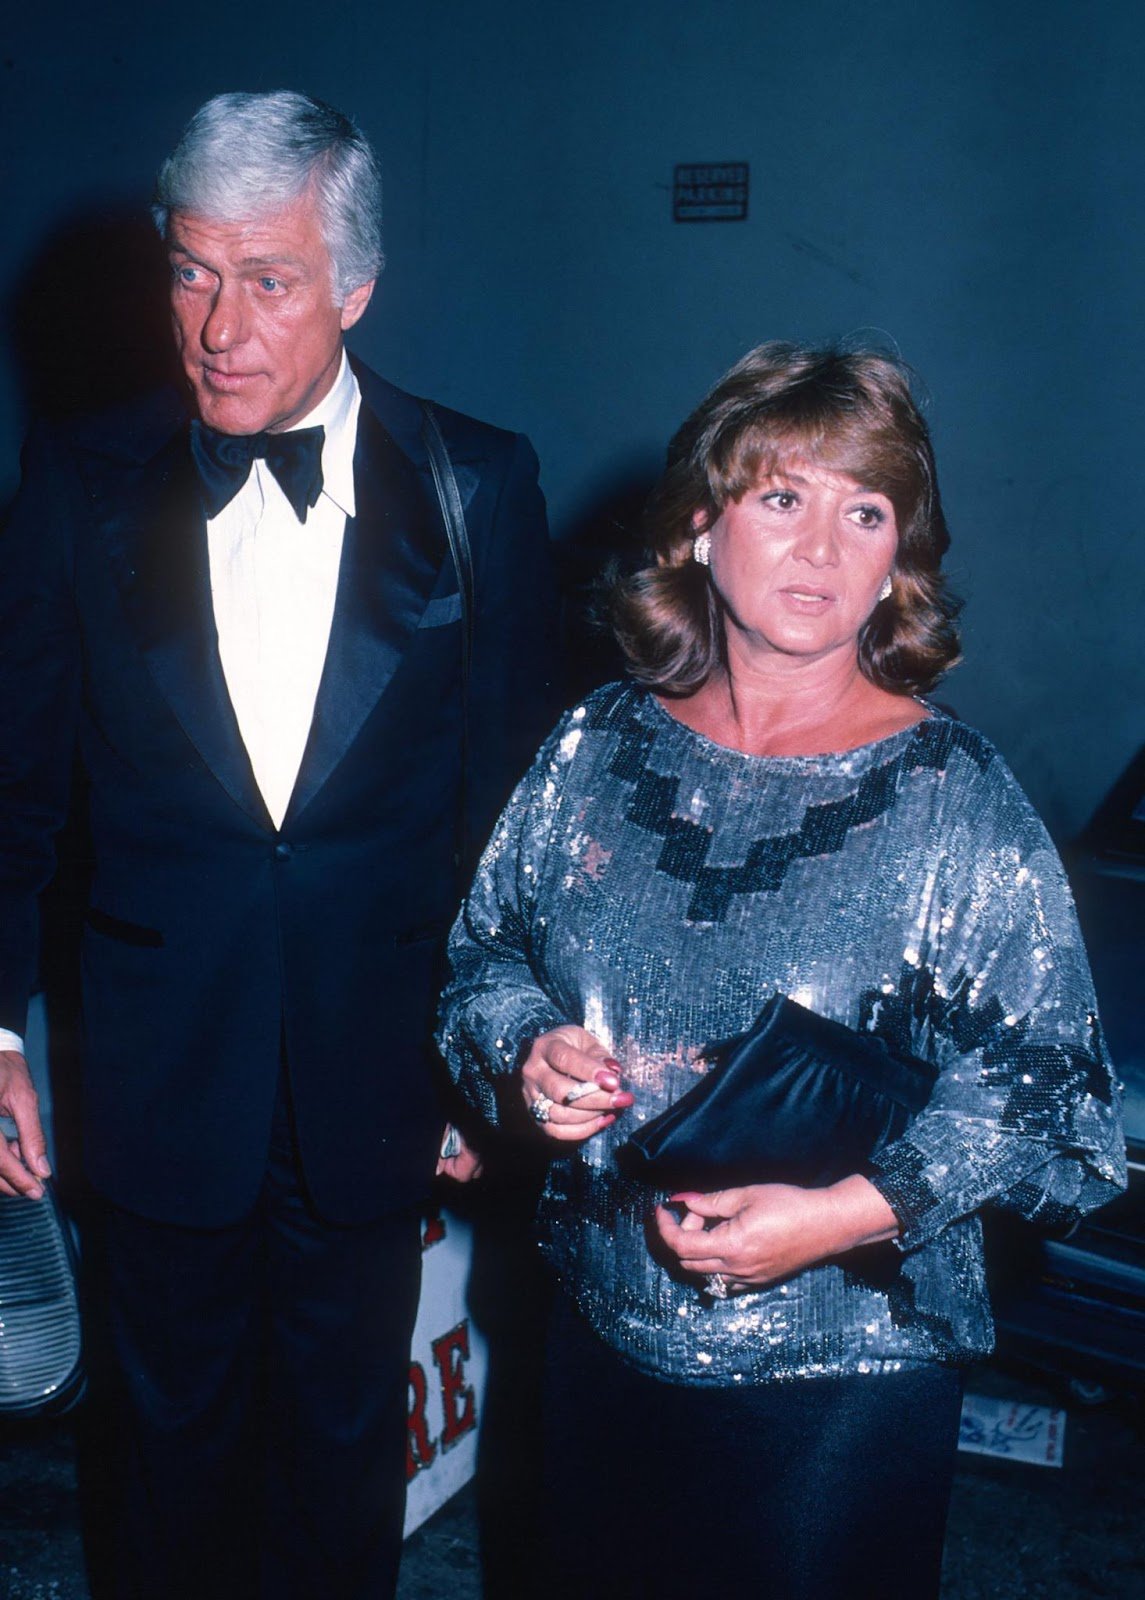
997 991
495 1002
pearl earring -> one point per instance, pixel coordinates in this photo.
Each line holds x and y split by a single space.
702 549
887 589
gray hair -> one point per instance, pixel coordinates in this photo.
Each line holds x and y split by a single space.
245 155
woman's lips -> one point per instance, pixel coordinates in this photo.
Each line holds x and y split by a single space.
807 598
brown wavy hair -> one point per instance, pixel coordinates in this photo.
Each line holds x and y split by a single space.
844 410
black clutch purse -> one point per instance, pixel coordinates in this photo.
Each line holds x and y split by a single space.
796 1099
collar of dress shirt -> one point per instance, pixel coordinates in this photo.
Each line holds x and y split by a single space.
337 412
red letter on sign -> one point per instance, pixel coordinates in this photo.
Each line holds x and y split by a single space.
420 1448
458 1406
434 1229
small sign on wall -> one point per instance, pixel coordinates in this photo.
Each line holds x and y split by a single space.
710 191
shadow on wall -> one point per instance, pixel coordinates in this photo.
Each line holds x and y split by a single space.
88 320
88 326
605 535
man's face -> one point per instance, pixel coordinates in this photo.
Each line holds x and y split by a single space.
259 335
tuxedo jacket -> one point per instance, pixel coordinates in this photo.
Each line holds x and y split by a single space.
216 946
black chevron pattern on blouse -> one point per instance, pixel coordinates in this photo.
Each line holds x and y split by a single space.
822 832
1032 1075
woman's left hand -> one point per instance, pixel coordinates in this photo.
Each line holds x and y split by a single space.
767 1231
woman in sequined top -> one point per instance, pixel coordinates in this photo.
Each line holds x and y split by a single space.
762 1384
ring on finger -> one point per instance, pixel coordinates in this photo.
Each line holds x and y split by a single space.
716 1285
578 1092
540 1109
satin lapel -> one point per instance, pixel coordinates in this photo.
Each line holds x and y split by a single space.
391 555
159 537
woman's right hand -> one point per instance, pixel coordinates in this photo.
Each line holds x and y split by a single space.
571 1085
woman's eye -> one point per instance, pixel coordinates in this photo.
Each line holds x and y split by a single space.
781 499
868 516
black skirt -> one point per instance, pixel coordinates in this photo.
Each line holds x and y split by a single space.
811 1489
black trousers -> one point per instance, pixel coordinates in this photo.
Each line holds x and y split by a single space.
256 1388
821 1489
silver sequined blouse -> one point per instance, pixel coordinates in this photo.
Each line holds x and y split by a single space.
656 888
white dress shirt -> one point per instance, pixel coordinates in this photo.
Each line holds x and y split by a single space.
273 584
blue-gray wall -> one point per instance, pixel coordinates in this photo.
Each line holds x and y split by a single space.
963 178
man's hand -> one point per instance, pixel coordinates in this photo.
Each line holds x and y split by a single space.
23 1160
458 1159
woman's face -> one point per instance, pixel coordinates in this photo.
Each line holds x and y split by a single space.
798 563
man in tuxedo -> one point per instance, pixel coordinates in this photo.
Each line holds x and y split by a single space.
239 605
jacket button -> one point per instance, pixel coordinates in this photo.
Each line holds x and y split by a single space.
283 850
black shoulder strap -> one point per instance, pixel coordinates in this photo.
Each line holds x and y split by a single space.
453 516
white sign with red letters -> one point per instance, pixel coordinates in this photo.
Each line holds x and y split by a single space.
446 1375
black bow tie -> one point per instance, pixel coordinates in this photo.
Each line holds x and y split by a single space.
224 463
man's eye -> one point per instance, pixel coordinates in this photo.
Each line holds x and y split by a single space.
270 284
189 276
